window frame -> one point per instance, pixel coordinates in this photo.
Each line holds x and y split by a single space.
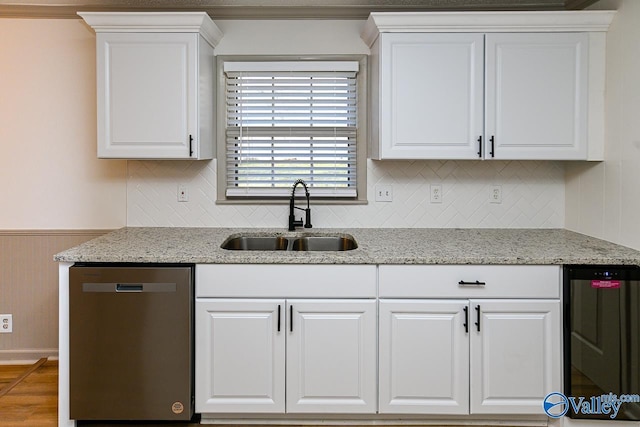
361 138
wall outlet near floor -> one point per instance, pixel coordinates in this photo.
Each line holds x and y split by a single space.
436 193
496 194
183 193
384 193
6 323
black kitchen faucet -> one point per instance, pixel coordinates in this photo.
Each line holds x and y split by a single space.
293 223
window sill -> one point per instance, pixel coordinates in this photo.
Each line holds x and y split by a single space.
285 201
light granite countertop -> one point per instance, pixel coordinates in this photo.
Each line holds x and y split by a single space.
375 246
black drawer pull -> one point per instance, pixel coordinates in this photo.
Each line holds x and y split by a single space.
291 318
476 283
478 313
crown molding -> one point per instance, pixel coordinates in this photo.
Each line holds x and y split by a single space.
153 22
578 4
459 22
272 9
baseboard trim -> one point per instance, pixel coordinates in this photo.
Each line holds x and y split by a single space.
26 356
381 420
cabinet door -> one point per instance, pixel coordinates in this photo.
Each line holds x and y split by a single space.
240 355
147 94
536 96
424 357
515 355
331 356
431 96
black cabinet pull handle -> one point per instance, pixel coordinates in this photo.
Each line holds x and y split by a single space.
478 317
480 146
476 283
466 319
492 139
190 145
291 318
279 317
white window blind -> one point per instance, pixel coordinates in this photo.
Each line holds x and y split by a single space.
287 121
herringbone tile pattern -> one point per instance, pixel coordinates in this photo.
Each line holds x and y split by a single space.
532 197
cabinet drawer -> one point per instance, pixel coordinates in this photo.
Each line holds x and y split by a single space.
285 281
478 281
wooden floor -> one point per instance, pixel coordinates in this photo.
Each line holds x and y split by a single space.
34 400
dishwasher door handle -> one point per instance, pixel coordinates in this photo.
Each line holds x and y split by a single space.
128 287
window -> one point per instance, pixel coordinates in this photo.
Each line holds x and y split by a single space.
289 120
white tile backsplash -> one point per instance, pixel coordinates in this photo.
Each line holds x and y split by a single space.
532 197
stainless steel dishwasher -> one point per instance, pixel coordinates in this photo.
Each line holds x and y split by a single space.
131 342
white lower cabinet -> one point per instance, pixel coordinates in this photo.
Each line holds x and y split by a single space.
515 355
424 357
442 353
329 347
240 356
331 356
428 340
304 354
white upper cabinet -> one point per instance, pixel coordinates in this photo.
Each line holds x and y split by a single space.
431 101
487 85
536 96
156 84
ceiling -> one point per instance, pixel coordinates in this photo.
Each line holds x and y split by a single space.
273 9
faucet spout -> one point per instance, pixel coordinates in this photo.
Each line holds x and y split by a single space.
293 222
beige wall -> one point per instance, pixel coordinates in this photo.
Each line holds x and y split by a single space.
54 192
50 177
603 199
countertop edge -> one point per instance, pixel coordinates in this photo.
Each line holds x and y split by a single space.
375 246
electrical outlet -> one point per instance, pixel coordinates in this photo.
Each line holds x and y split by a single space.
436 193
496 194
6 323
183 193
384 193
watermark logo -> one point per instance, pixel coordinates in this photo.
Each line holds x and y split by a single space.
556 404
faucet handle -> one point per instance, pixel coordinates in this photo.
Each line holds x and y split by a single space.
307 223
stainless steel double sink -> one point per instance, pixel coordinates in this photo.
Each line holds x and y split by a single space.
293 243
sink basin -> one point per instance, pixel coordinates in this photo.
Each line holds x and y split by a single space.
290 243
256 243
324 243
